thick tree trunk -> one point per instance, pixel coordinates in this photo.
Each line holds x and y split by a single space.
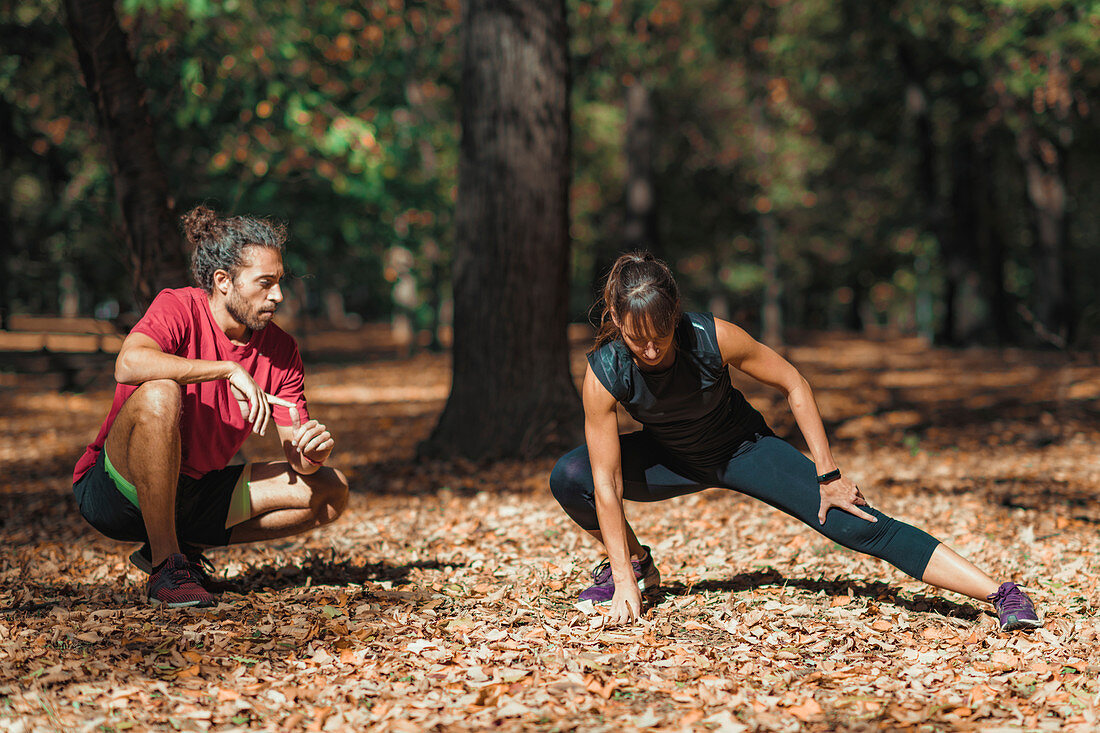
156 251
1044 168
640 226
512 394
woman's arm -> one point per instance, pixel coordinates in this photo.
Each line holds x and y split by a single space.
743 352
601 433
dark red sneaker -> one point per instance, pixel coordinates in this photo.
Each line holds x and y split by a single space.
176 583
142 559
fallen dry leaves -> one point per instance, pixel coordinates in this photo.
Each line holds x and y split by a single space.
445 597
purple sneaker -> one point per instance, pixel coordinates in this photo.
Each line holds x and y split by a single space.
602 589
1014 608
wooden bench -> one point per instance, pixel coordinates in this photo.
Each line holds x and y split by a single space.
79 349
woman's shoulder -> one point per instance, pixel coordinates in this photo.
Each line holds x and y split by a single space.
699 337
699 331
611 364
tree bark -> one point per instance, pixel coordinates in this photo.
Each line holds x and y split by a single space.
512 394
156 253
1044 168
992 246
771 315
640 226
8 247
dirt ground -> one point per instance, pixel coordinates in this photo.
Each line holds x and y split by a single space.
445 597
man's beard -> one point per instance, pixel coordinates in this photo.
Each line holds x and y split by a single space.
237 307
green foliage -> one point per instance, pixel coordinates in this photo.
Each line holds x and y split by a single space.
840 122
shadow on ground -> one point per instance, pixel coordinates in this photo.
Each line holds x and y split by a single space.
872 591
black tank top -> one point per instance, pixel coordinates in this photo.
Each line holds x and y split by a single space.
691 408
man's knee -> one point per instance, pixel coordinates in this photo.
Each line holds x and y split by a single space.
157 399
330 494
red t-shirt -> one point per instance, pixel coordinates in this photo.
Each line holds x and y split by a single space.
212 428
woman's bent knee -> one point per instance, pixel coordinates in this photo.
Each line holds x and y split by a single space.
571 478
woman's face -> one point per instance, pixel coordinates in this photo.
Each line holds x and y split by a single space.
651 350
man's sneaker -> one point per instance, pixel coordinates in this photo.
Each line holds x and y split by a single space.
602 589
142 558
1014 608
177 583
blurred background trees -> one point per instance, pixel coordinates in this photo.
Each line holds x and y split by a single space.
924 167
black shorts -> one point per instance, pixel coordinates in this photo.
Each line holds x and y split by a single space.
202 505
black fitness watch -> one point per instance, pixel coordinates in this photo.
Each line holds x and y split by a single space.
830 476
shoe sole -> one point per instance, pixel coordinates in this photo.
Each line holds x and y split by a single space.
182 604
1023 624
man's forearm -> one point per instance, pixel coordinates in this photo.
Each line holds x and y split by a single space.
138 365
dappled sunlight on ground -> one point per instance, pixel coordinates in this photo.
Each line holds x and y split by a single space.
445 596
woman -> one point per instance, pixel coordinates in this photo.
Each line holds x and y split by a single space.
669 370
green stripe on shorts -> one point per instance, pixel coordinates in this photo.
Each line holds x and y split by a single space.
240 504
124 487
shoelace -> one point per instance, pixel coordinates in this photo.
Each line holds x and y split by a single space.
201 568
183 574
601 572
1010 599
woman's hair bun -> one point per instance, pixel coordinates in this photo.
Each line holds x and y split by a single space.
200 225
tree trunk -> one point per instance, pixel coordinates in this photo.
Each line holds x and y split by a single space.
1044 168
8 248
640 227
992 247
156 252
771 316
512 394
959 246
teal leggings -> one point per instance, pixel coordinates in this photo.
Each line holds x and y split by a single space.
766 468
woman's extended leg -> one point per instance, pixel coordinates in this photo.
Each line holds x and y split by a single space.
775 472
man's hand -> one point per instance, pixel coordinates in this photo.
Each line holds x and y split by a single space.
245 389
843 493
312 439
626 604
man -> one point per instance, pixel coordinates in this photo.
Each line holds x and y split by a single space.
202 368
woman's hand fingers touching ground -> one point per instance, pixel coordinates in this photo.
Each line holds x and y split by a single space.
626 605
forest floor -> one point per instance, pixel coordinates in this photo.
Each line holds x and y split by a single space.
445 597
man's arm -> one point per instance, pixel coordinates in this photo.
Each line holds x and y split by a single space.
141 360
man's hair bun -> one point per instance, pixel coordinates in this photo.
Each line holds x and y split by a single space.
201 225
